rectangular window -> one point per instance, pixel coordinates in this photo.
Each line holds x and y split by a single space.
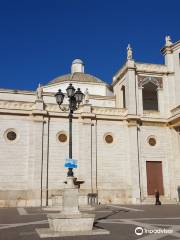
124 96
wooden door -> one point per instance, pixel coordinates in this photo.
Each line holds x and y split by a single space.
154 177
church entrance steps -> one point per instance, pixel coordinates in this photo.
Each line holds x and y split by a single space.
164 200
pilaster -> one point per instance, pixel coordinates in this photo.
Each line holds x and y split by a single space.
35 162
131 83
85 146
94 156
160 95
134 161
139 101
168 57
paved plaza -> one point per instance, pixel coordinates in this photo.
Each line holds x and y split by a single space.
149 222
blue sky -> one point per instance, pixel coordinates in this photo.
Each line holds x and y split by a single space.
40 38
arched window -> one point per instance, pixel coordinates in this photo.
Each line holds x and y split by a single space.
150 98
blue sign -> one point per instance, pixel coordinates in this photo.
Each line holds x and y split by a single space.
70 163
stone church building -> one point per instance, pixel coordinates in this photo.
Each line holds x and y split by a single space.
126 135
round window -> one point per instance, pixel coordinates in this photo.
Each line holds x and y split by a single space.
109 138
152 141
11 136
62 137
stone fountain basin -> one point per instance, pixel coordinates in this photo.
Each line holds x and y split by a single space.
71 222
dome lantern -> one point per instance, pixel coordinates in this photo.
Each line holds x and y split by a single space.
77 66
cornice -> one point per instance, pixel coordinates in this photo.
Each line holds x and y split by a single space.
171 48
151 68
120 74
175 117
150 119
50 85
175 110
106 113
16 91
99 97
140 68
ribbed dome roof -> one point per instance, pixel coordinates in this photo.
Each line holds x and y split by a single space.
77 60
77 76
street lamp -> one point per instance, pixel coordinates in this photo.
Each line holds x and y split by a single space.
75 98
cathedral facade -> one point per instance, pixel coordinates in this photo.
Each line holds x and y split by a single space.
126 136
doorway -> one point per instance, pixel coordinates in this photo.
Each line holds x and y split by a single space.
154 177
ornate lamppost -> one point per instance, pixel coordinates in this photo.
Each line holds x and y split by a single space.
75 98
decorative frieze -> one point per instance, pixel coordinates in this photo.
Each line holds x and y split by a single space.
109 111
142 80
17 105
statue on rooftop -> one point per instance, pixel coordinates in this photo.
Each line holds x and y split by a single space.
39 92
129 52
86 98
168 41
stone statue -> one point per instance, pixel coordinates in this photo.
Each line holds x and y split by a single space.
39 92
168 41
86 98
129 52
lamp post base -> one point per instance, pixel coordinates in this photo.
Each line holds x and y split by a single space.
70 172
70 218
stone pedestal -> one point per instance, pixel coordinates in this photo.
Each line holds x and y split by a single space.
70 198
70 221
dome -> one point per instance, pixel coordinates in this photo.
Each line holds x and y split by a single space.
78 77
77 74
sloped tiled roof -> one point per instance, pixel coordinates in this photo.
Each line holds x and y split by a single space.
77 76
